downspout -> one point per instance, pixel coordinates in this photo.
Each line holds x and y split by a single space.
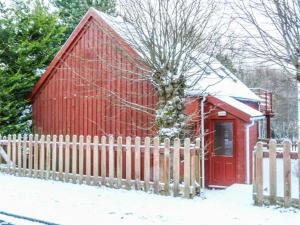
248 126
202 133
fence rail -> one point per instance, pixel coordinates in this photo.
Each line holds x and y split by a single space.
274 184
148 165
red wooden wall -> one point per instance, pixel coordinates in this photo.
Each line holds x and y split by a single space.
87 89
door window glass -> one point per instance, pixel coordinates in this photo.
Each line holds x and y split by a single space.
223 138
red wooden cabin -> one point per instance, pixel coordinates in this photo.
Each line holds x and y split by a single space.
87 88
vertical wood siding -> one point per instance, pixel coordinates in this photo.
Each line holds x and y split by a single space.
86 91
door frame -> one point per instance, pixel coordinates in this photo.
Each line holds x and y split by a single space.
211 148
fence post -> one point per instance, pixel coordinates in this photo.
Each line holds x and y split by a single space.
147 164
166 166
137 163
128 163
119 162
259 174
95 160
176 166
287 172
273 175
156 165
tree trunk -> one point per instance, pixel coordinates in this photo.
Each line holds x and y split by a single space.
170 116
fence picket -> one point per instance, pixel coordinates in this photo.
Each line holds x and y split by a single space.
187 168
42 156
88 160
36 155
30 155
166 166
95 160
19 150
147 165
197 166
259 174
9 165
287 173
128 163
193 172
67 158
119 162
80 159
48 156
14 153
273 175
176 166
54 157
111 164
137 163
74 158
24 157
156 165
103 160
60 157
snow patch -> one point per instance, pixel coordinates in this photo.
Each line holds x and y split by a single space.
66 203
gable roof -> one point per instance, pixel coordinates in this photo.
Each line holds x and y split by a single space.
216 79
91 14
235 107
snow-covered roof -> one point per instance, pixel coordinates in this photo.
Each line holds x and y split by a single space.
241 106
217 80
214 79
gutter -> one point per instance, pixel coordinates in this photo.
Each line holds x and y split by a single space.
248 126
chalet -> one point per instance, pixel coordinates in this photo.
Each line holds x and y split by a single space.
89 89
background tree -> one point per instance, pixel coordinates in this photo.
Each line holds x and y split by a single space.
72 11
29 38
273 28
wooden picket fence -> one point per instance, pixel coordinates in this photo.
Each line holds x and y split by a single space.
275 151
149 165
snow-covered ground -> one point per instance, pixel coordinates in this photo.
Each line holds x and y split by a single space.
64 203
280 181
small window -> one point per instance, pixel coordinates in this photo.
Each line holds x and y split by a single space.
223 139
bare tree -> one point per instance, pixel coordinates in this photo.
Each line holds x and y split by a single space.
273 28
173 38
174 41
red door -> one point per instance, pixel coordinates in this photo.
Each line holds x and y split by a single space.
222 155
